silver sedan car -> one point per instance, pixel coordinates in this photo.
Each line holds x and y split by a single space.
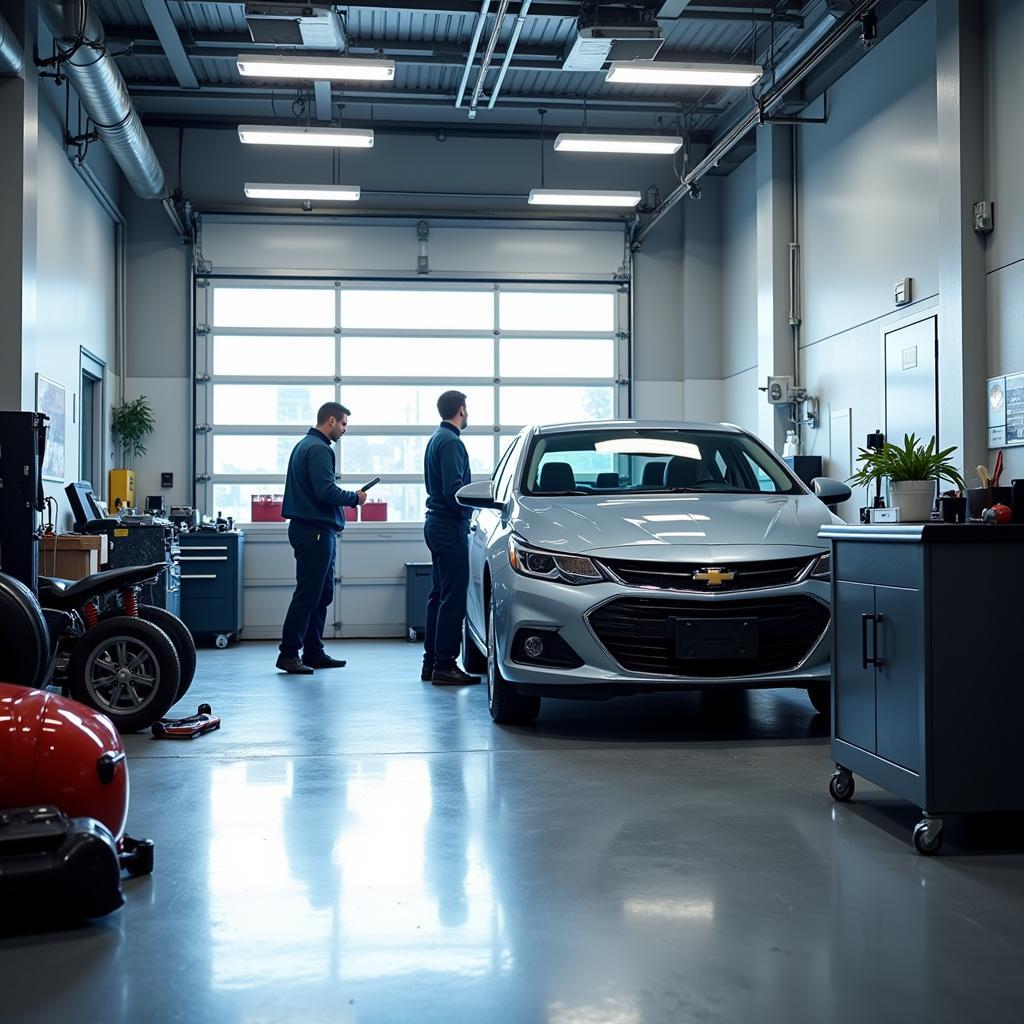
631 557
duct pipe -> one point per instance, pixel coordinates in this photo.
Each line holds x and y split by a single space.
471 56
524 9
11 62
816 45
104 95
485 64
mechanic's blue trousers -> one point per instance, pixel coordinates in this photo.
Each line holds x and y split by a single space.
314 548
446 605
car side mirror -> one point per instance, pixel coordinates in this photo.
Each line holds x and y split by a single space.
479 494
831 492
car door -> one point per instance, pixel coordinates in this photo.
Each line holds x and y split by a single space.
481 530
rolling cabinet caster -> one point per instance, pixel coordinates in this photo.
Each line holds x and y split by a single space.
841 785
928 836
136 856
222 640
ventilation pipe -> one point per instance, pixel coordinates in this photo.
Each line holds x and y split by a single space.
11 62
104 95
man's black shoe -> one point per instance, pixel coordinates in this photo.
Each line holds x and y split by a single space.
427 672
324 661
453 677
293 666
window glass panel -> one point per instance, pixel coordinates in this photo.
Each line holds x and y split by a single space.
371 454
557 357
246 356
384 309
273 307
528 404
409 406
406 502
417 357
238 453
235 499
556 311
277 404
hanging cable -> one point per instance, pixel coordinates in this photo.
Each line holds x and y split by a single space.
542 112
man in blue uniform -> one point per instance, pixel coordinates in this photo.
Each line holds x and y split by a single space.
446 468
313 503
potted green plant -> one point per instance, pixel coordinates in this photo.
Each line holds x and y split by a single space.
912 471
130 424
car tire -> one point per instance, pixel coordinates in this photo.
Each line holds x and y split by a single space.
180 637
117 643
821 697
507 707
473 661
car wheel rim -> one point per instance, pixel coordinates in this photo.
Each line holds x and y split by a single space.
122 675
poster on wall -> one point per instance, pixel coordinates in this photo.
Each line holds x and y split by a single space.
50 399
1015 408
996 412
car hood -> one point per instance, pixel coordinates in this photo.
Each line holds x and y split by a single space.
679 527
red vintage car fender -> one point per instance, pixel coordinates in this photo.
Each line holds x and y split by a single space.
59 752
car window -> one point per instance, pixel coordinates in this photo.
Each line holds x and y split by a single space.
764 481
503 484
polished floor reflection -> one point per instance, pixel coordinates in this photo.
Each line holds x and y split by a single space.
361 847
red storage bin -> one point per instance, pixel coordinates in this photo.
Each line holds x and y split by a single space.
374 512
351 514
266 508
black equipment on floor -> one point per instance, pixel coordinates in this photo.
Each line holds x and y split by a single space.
418 581
24 637
212 584
22 448
806 467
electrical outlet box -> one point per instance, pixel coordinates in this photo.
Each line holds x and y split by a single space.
780 390
984 217
884 515
904 292
166 479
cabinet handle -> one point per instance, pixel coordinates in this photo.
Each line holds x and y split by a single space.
864 619
876 660
198 576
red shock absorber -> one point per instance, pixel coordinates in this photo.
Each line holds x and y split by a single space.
90 614
130 602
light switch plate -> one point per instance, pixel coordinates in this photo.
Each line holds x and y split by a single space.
903 291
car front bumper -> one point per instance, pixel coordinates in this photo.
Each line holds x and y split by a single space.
575 613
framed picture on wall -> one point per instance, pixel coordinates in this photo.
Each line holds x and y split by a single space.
50 400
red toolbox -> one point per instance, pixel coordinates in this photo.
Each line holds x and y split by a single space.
351 514
374 512
266 508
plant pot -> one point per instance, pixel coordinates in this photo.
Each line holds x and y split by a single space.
914 498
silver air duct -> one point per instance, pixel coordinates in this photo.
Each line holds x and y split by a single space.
11 62
104 95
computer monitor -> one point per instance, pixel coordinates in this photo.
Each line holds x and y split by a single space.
82 502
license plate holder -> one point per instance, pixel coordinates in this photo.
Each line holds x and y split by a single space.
716 639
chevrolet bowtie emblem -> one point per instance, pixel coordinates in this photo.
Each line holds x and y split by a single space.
714 577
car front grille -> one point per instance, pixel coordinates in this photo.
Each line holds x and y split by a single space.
680 576
639 633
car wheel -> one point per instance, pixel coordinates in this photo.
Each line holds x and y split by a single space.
507 707
473 661
821 697
127 669
180 637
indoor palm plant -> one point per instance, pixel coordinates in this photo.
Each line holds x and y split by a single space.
130 424
912 471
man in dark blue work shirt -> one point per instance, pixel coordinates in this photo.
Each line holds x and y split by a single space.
313 503
446 468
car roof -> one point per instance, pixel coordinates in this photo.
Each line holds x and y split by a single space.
565 428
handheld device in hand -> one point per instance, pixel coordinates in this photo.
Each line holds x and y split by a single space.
372 483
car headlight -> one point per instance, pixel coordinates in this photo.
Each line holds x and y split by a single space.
821 568
548 565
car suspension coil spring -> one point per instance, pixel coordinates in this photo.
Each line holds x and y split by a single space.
90 614
130 602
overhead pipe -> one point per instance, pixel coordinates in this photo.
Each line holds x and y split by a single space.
485 6
524 9
812 49
11 61
485 64
104 94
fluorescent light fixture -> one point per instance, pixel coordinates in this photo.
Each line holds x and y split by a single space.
666 144
273 135
265 65
660 72
323 193
582 197
648 446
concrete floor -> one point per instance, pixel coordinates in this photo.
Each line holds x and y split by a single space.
362 847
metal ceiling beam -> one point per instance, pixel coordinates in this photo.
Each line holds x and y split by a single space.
167 32
510 49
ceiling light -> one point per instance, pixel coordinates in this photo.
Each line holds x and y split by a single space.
618 143
582 197
660 72
323 193
273 135
258 65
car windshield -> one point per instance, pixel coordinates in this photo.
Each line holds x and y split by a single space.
637 461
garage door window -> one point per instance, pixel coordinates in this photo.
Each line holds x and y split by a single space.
268 354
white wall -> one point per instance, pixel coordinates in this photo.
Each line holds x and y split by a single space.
868 216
